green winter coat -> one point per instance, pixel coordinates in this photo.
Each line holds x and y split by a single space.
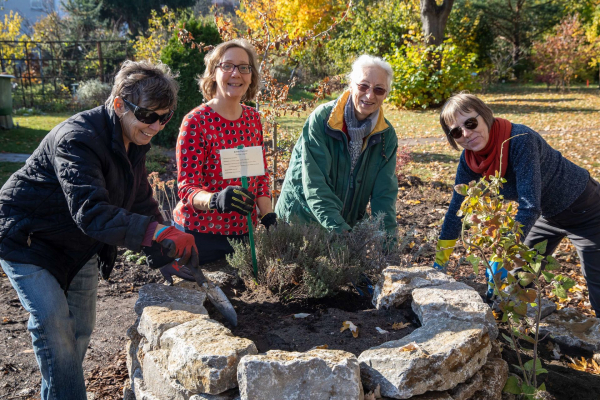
318 186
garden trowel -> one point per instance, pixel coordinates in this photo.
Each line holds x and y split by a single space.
156 259
215 295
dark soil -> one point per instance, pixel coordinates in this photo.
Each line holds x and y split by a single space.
269 322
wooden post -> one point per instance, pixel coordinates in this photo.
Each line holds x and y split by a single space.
101 61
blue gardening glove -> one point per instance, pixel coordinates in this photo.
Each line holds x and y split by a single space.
496 267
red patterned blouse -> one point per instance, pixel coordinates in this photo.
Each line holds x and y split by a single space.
202 135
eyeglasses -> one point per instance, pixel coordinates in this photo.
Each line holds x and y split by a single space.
149 117
457 132
229 67
379 91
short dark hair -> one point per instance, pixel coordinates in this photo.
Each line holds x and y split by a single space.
145 84
211 60
463 103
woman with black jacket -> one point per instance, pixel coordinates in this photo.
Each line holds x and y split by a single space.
81 193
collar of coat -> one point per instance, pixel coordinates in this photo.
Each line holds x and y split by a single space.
336 118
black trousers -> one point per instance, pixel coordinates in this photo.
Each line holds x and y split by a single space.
580 222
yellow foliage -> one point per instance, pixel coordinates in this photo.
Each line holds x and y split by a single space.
9 30
296 17
160 29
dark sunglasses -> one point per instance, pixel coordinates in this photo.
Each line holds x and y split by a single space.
379 91
148 116
229 67
470 124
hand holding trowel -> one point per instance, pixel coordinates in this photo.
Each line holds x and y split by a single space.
156 259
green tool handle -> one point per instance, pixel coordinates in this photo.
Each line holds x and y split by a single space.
251 233
250 227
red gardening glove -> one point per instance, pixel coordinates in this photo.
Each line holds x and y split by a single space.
177 244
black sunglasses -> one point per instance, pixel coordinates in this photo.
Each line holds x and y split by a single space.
470 124
148 116
379 91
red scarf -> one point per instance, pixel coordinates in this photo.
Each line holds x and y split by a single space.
487 160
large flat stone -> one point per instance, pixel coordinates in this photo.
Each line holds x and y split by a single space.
204 355
494 375
155 320
448 353
454 300
157 380
154 294
314 375
397 284
570 328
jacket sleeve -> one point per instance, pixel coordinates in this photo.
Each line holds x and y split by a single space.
78 168
453 223
144 200
385 191
316 181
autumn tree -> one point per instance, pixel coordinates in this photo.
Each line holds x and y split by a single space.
434 18
295 17
10 29
562 55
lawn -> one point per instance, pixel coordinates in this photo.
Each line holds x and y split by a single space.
568 120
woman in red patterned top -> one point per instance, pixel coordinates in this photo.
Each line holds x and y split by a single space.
211 208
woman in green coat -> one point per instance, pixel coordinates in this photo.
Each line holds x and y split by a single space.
345 157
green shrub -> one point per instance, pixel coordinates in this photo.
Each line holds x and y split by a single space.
189 63
302 260
419 83
92 93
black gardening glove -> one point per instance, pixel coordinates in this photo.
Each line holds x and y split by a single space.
269 219
233 198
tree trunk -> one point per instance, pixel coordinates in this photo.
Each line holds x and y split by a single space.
434 18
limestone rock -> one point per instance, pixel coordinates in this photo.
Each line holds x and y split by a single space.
133 363
154 294
494 374
156 378
397 283
232 394
315 375
155 320
447 352
140 390
454 300
204 355
570 328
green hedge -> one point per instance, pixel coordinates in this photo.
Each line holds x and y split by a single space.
189 63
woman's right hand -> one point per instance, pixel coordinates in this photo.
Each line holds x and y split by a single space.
233 198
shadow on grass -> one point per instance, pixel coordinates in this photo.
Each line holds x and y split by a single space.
522 100
21 140
502 108
7 169
424 158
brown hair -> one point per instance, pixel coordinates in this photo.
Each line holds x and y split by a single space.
464 103
145 84
209 87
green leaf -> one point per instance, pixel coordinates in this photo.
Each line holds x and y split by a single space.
509 340
520 309
541 371
560 291
474 262
526 389
542 387
461 189
512 385
541 246
552 264
526 278
536 266
548 276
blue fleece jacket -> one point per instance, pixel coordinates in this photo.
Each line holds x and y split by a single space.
539 179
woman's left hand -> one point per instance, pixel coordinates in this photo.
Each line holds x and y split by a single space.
269 220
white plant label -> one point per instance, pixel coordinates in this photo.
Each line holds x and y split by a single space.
247 161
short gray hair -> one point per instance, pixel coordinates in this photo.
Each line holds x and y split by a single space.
464 102
367 61
146 85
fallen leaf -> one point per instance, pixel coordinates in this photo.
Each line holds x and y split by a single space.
382 331
400 325
409 347
349 325
321 347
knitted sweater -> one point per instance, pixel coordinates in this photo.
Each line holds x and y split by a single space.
538 177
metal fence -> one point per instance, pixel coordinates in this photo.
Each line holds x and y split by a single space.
48 73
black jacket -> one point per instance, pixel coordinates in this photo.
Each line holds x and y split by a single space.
77 192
